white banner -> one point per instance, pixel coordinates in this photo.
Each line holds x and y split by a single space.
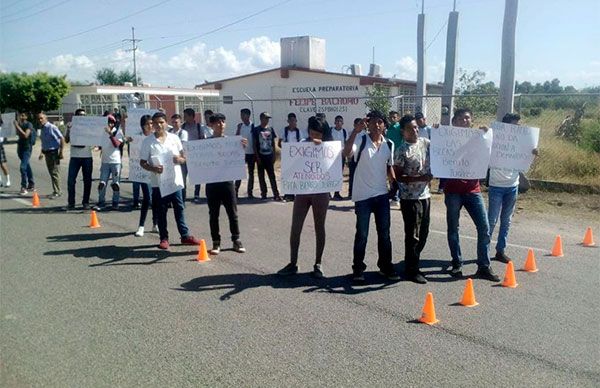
307 168
220 159
88 130
136 172
171 179
134 116
8 125
460 153
513 145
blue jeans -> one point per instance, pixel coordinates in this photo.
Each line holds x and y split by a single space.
380 207
86 165
106 171
501 203
146 190
473 202
160 206
25 168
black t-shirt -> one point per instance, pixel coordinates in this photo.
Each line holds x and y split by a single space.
26 143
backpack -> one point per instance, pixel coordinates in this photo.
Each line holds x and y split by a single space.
363 143
285 134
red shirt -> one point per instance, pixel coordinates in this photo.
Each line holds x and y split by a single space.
462 186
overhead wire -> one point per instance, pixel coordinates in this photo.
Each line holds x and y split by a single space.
29 15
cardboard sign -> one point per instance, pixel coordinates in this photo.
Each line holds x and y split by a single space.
171 178
307 168
220 159
513 145
460 153
132 124
8 125
88 130
136 172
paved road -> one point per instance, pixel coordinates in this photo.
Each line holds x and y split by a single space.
87 307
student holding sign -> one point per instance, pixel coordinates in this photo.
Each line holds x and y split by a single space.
302 203
466 193
373 155
156 151
111 163
222 193
413 172
81 159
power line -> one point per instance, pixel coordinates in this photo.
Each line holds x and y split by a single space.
11 4
436 35
29 15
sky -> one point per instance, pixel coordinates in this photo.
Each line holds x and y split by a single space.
185 42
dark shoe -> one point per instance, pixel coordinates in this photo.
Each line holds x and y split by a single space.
70 208
318 271
250 196
338 197
136 206
501 257
216 248
164 244
487 274
115 206
115 186
416 277
277 198
390 275
263 197
196 199
31 188
97 208
456 272
238 247
101 185
290 269
190 240
357 277
86 206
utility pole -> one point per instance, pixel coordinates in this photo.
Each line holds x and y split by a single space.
421 85
133 49
506 98
450 71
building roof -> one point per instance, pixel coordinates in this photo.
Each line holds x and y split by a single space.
111 89
364 79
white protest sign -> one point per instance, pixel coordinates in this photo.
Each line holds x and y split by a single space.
171 178
8 125
133 119
460 153
219 159
307 168
136 172
88 130
513 145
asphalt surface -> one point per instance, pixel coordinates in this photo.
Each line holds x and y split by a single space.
87 307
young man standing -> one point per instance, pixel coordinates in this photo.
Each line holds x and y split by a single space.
110 164
373 155
222 193
360 124
53 143
394 133
27 136
466 193
424 129
413 171
81 158
183 136
340 134
290 134
165 143
264 151
244 129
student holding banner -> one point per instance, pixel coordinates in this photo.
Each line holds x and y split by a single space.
161 153
466 193
244 129
222 193
111 164
81 158
373 155
302 203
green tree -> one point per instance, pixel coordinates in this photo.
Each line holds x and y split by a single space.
471 88
379 98
108 76
32 92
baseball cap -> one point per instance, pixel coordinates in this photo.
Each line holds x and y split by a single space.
265 114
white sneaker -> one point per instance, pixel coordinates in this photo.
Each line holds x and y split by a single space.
140 232
7 184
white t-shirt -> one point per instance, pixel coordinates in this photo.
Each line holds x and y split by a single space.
370 176
246 133
152 147
182 133
500 177
293 136
110 153
81 152
339 135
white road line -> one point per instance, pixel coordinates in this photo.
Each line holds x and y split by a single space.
20 200
493 241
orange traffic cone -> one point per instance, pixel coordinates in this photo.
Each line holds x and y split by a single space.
35 201
588 239
202 253
530 262
509 276
557 250
468 298
94 220
428 315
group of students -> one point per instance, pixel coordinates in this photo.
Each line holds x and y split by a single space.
379 151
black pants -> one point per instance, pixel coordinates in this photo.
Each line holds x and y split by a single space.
351 168
250 163
415 214
302 203
217 194
267 162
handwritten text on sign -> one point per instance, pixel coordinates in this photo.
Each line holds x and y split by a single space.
460 153
219 159
171 178
513 146
307 168
136 172
88 130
